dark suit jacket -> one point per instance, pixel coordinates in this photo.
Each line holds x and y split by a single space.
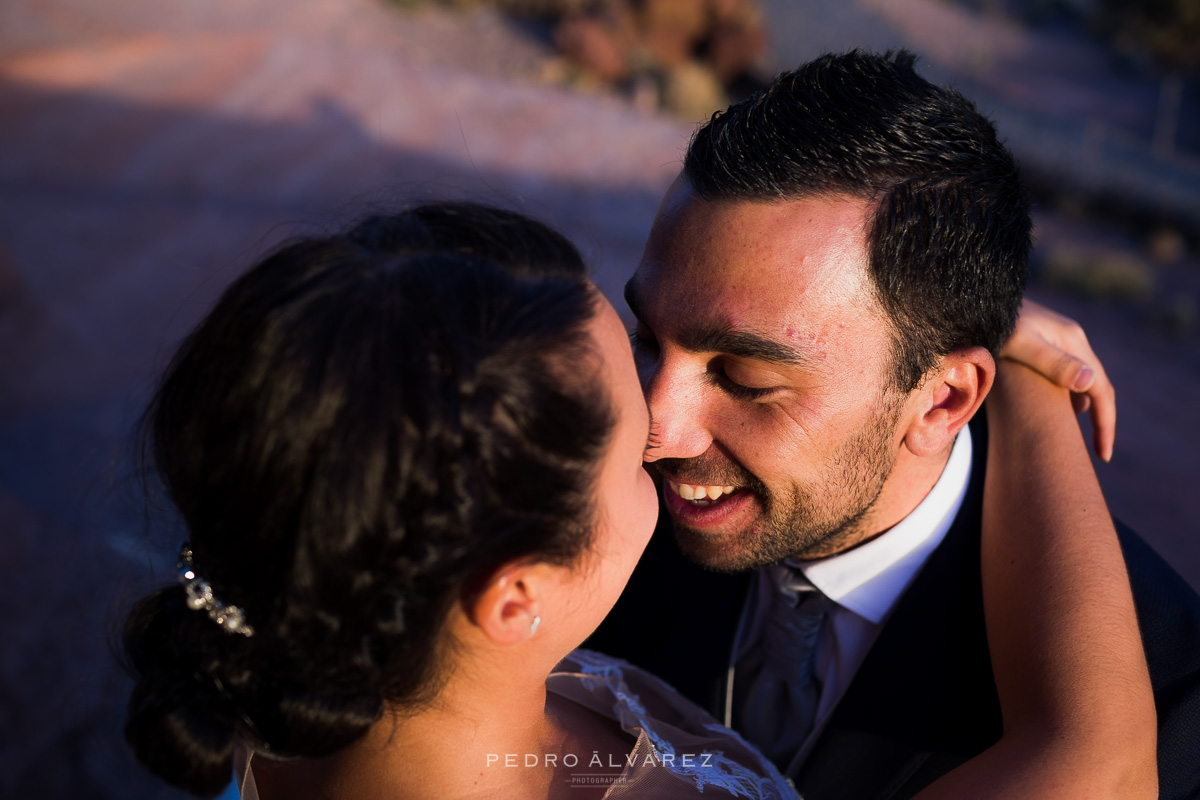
924 700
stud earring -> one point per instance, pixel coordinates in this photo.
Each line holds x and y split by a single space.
533 626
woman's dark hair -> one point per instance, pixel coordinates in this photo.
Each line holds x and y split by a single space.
362 430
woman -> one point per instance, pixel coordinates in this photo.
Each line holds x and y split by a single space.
409 461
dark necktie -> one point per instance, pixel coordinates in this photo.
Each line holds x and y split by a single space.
780 704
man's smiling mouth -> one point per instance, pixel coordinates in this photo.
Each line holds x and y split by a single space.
701 495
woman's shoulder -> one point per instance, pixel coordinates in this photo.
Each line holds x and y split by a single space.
681 749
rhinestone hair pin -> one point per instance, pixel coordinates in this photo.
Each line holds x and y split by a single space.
200 597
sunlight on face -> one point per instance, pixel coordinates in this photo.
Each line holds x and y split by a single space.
764 356
625 500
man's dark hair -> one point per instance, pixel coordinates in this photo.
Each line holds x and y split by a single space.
949 235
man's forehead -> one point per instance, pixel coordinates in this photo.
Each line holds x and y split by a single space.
785 282
752 260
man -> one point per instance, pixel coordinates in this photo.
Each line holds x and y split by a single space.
818 308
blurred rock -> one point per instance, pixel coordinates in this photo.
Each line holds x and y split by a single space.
692 91
734 49
1099 275
671 29
597 45
684 55
528 8
690 17
541 8
1166 245
667 47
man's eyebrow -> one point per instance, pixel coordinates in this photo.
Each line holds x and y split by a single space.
743 344
703 338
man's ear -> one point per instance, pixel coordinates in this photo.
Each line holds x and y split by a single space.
948 399
506 608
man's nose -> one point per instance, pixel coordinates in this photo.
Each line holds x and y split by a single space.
677 411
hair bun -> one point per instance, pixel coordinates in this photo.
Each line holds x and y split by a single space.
182 733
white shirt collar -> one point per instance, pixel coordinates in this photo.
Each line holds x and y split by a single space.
869 579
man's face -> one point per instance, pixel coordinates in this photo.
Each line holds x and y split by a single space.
764 358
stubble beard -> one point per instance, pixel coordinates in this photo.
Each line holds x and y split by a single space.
813 520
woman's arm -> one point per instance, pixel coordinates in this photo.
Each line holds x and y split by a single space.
1074 689
1058 348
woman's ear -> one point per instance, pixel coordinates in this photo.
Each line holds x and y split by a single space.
508 608
948 399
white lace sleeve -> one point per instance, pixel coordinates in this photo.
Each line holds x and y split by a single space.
685 752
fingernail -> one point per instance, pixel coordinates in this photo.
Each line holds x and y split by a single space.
1084 380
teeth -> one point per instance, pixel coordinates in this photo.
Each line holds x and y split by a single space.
691 492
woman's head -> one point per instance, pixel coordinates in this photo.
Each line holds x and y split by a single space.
362 431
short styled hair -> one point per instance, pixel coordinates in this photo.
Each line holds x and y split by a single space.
362 429
949 230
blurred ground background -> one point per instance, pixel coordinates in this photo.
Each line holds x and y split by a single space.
149 150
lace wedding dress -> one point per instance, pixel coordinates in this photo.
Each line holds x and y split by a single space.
679 750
